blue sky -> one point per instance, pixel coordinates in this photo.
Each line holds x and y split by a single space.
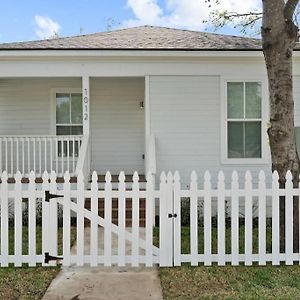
37 19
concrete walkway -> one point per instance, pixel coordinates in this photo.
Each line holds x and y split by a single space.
105 283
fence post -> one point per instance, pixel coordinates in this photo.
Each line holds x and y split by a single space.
45 215
107 219
177 221
32 220
166 220
135 220
121 220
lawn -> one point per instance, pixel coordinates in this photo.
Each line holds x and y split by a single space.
25 282
229 282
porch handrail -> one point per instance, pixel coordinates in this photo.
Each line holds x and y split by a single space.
39 153
83 163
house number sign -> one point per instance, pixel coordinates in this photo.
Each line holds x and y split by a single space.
86 105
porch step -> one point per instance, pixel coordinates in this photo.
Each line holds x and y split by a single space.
128 211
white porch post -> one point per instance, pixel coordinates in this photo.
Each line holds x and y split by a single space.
86 118
86 104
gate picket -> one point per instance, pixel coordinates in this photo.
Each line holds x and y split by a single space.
135 220
107 216
149 219
32 220
66 220
94 224
121 220
177 221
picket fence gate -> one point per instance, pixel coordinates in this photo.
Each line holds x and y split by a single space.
135 245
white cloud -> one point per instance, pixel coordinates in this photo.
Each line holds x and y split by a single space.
188 14
46 27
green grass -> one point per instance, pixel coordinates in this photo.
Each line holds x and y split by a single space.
265 282
28 282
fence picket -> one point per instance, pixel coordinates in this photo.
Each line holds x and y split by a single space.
4 219
53 225
234 219
262 218
248 219
177 221
67 220
80 219
289 219
107 216
194 220
18 220
275 220
121 220
94 224
149 220
32 220
207 219
221 219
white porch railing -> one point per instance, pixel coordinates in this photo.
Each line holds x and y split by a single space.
39 153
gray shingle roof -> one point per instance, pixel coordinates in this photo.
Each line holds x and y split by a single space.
144 37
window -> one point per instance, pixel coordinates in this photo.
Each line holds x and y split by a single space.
244 120
68 121
69 114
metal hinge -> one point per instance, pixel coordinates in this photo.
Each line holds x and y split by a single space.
172 215
49 196
49 258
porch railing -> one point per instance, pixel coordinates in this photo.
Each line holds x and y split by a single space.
39 153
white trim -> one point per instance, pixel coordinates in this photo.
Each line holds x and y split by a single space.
265 159
132 53
147 106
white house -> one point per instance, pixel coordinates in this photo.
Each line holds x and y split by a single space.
139 99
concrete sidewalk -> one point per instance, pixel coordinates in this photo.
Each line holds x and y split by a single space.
105 282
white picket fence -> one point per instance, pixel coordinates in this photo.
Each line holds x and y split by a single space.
105 243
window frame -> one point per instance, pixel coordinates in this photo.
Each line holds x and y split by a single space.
265 153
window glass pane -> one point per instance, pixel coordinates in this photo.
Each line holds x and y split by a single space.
253 99
235 139
76 130
76 109
253 139
63 130
235 100
62 108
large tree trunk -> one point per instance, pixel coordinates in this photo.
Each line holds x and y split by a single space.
279 37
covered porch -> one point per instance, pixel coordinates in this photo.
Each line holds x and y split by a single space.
74 124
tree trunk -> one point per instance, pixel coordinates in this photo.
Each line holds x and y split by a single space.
279 37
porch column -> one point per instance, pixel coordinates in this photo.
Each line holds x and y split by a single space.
86 104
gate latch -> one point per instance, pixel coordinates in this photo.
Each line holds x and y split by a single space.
49 196
172 216
49 258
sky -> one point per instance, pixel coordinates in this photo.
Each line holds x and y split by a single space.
22 20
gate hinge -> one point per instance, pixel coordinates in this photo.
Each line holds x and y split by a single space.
49 196
172 216
48 258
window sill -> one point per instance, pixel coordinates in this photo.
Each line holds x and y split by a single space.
245 161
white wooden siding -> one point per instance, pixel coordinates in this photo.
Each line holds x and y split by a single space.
185 118
117 125
25 104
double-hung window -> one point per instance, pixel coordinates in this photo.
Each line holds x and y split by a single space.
68 120
244 120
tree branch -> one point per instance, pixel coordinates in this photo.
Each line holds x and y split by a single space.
290 8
